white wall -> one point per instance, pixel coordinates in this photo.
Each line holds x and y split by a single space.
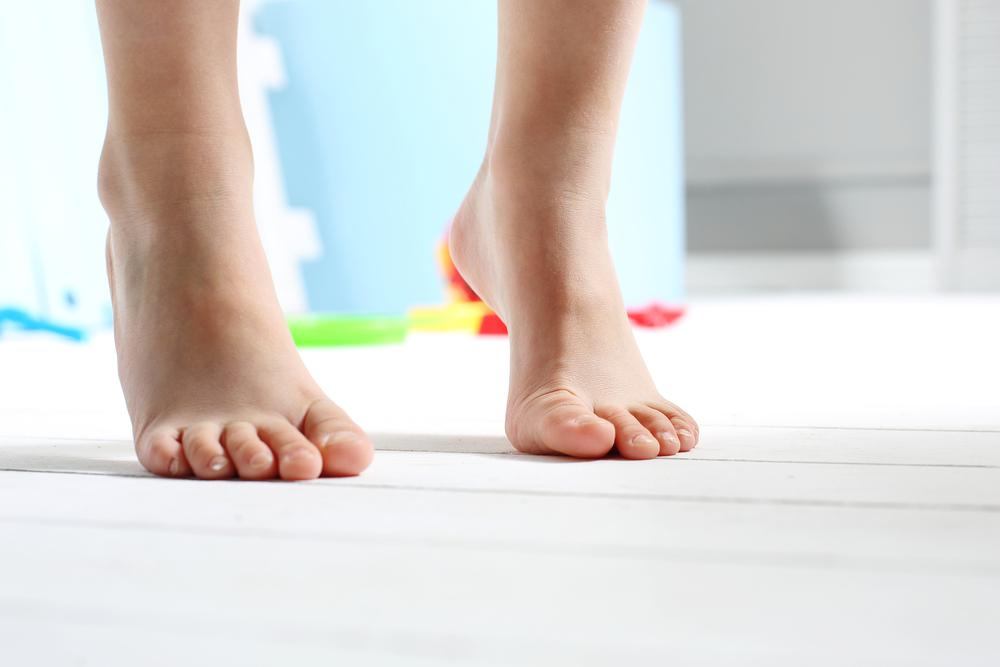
807 124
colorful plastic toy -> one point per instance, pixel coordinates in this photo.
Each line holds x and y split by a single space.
27 322
324 330
466 316
655 315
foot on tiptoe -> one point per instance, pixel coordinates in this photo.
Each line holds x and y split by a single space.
537 253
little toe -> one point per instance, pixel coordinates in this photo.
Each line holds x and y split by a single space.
662 429
298 459
632 439
561 423
685 426
205 452
163 454
252 457
687 433
345 449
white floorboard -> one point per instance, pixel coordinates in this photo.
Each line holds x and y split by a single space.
720 529
540 606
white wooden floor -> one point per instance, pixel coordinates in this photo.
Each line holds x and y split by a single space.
843 508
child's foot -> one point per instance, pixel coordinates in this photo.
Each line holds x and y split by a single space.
212 380
537 253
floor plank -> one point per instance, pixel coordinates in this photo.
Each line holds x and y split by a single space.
581 609
675 531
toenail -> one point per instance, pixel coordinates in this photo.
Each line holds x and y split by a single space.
297 455
261 460
668 436
218 463
643 439
684 432
341 438
175 467
586 420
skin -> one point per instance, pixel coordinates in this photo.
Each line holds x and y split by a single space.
212 380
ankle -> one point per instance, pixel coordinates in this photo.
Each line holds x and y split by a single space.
140 175
552 165
512 193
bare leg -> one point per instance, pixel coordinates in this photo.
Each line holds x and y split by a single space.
213 382
530 236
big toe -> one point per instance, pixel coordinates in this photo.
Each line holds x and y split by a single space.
298 459
561 423
345 448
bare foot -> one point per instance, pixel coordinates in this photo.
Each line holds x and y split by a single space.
537 253
212 380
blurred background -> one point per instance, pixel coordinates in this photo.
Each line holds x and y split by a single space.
770 145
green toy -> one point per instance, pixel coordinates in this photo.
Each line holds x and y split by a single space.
323 330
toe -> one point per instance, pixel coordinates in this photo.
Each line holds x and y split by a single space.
561 423
345 449
162 454
685 425
346 453
632 439
687 432
298 459
662 429
205 453
252 457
